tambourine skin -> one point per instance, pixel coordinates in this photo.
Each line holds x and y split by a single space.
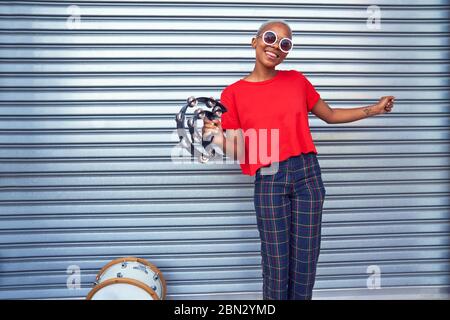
217 110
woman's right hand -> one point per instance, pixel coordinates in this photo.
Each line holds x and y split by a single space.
213 127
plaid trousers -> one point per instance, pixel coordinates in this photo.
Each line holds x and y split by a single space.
288 208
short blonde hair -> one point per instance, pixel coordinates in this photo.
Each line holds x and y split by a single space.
265 24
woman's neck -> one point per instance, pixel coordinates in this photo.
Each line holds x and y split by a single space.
261 74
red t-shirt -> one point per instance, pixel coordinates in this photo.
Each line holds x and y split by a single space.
273 114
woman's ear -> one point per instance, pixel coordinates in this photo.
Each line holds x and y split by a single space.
254 43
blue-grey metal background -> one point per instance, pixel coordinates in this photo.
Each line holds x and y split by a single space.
86 131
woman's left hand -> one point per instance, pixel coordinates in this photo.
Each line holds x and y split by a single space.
385 104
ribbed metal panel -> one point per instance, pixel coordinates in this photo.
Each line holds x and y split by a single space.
86 131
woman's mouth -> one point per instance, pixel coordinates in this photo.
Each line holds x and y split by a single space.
271 55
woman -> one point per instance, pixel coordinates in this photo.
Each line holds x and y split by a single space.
288 199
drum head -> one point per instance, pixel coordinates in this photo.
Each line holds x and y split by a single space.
122 289
142 261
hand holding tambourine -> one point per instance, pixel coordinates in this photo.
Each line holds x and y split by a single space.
213 128
198 142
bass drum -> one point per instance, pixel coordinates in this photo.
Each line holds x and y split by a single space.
129 279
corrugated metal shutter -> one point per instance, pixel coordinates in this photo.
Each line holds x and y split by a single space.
86 122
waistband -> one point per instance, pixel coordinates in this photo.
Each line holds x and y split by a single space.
291 160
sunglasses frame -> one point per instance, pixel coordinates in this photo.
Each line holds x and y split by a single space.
276 40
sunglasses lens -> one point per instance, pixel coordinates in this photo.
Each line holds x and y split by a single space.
270 37
285 45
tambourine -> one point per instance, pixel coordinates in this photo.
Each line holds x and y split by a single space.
197 144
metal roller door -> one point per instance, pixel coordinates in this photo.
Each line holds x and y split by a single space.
87 102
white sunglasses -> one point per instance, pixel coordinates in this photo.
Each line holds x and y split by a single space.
270 38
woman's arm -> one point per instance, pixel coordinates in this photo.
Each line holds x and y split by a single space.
339 115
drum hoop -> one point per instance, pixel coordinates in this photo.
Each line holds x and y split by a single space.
133 282
140 260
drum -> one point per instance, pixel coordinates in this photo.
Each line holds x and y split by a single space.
129 279
122 289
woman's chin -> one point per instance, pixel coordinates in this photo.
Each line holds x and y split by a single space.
270 64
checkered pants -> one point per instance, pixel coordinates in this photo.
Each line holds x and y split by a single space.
288 208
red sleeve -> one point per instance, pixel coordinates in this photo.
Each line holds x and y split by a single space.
312 96
230 119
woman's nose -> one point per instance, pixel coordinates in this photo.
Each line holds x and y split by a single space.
275 45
